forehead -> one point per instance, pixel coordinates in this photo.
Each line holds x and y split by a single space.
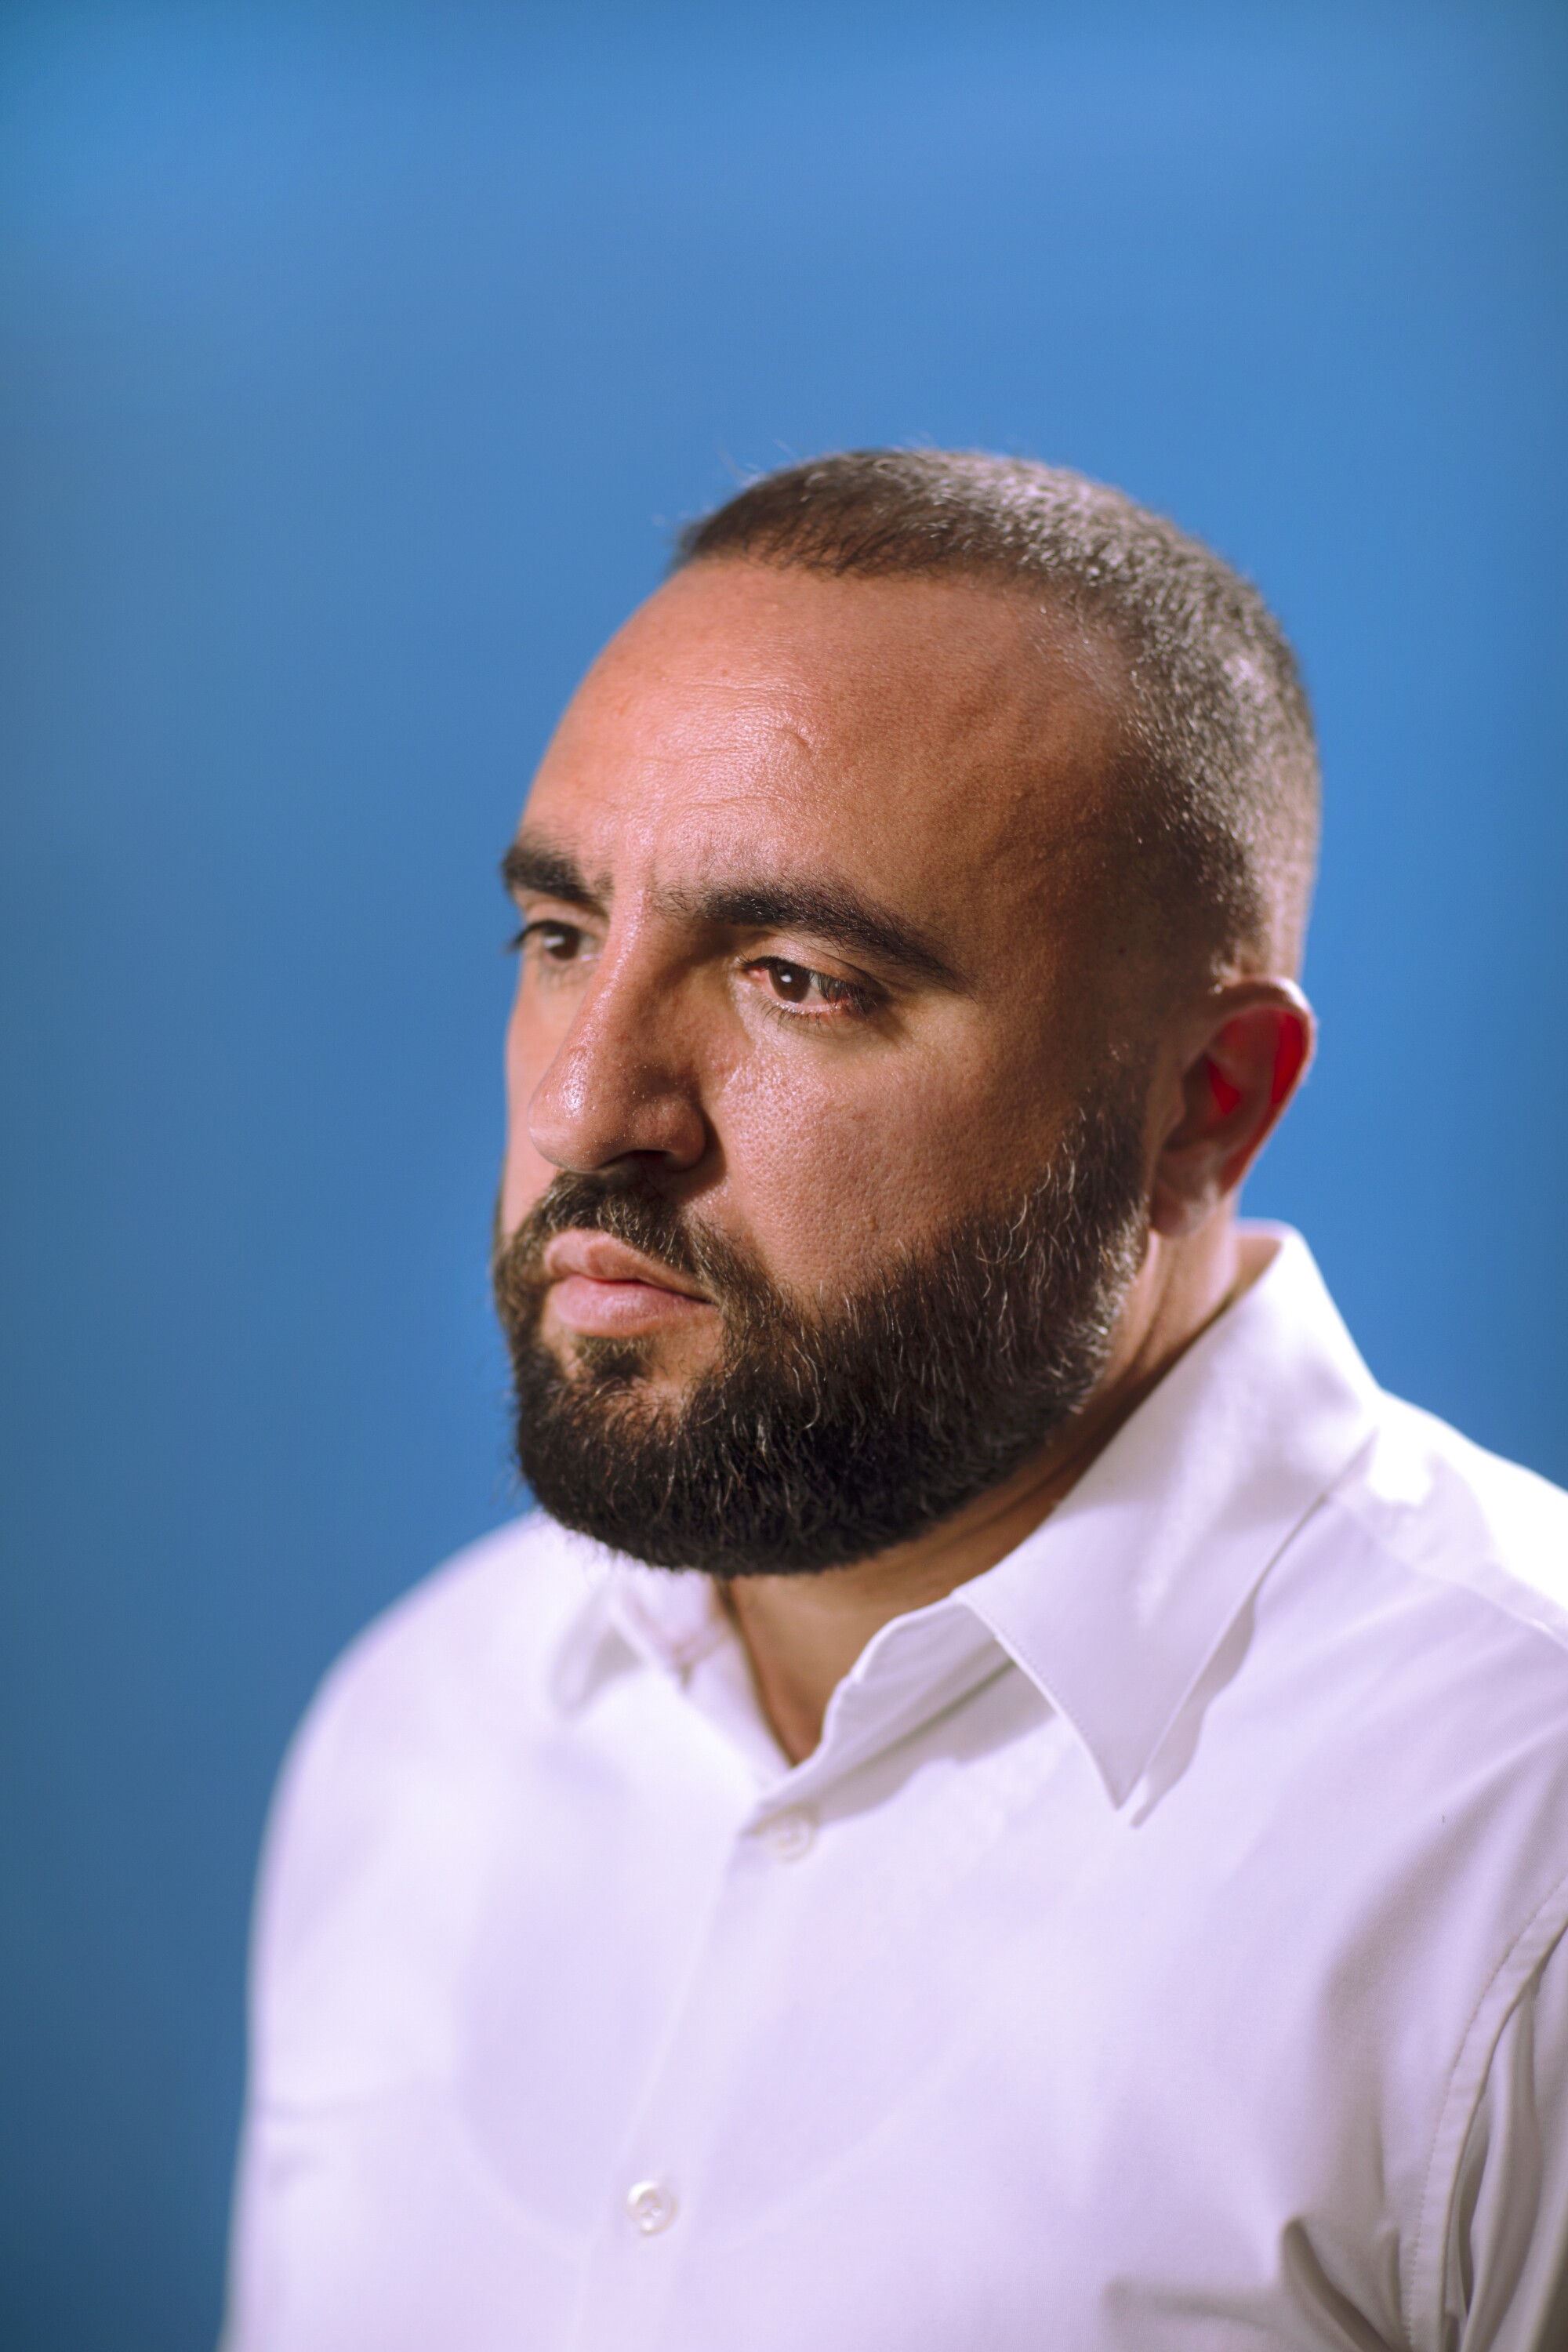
922 735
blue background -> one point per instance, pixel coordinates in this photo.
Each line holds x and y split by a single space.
357 362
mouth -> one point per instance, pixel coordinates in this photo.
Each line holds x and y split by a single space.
602 1289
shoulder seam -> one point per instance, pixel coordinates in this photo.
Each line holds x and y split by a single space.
1495 1606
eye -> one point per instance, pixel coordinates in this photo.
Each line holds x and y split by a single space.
549 939
817 994
790 981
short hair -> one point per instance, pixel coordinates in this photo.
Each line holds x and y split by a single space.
1218 755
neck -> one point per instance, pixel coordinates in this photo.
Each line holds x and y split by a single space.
803 1633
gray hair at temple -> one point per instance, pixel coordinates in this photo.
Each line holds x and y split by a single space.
1218 757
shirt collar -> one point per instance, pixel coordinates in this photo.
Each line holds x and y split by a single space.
1117 1603
1115 1606
634 1616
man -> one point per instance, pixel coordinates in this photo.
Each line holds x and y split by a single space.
1032 1809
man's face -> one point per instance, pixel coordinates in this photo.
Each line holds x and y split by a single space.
823 968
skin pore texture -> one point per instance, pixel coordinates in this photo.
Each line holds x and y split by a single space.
826 935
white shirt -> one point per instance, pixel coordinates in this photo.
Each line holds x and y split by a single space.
1159 1950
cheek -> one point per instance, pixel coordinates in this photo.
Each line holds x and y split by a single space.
827 1172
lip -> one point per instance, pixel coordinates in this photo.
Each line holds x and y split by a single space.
603 1289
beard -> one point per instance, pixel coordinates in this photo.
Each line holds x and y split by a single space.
826 1434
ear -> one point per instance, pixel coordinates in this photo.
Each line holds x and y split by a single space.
1252 1052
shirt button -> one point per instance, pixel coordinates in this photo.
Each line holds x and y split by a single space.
651 2206
789 1836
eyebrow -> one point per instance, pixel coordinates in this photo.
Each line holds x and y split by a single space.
551 872
830 911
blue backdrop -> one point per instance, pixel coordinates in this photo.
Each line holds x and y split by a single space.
357 362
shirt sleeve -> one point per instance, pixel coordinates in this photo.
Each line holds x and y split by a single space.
245 2323
1507 2250
298 1858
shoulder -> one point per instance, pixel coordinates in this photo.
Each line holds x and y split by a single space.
1408 1682
1440 1630
488 1620
397 1791
1441 1577
430 1701
1465 1524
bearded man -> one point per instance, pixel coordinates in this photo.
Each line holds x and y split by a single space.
1008 1797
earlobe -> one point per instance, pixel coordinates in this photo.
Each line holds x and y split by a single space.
1240 1072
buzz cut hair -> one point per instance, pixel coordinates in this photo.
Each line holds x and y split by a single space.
1217 777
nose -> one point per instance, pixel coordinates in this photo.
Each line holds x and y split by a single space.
621 1085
